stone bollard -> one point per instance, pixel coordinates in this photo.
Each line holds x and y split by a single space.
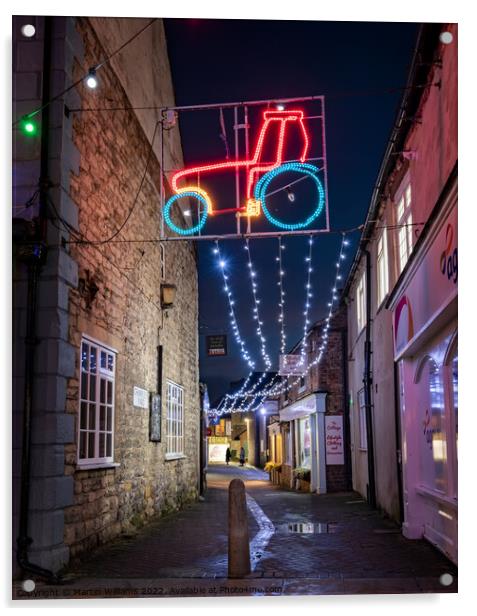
239 550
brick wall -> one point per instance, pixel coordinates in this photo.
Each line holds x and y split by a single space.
126 315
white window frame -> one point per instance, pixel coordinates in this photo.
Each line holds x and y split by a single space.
403 204
95 403
382 268
361 303
174 420
363 434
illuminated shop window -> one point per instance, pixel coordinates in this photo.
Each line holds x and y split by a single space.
433 437
96 413
305 442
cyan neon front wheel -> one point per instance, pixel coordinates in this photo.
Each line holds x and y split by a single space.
262 185
202 216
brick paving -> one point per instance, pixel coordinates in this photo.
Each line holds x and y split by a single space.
185 554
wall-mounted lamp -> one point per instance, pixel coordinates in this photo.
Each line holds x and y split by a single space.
168 295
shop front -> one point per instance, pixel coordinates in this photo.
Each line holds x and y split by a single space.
304 451
425 341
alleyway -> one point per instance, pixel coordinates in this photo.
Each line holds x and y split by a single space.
343 547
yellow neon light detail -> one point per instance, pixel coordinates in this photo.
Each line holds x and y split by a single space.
201 192
254 207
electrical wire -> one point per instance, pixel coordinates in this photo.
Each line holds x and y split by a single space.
76 83
329 95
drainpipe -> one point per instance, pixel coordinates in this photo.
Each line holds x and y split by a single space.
346 410
397 418
368 380
34 253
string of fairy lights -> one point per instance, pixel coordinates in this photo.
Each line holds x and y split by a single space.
281 303
274 389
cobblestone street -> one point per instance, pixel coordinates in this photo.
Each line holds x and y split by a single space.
319 544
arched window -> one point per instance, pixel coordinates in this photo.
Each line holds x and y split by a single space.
433 437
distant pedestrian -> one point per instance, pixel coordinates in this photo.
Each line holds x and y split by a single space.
228 455
242 456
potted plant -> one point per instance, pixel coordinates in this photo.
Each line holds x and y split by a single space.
302 478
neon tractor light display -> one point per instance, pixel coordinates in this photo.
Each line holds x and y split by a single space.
256 186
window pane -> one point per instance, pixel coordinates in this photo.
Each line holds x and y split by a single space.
102 391
92 417
109 412
103 359
92 359
91 453
102 417
109 445
83 416
84 356
82 448
110 362
434 445
84 385
92 387
110 392
102 445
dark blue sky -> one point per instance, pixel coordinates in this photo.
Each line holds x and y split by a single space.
354 65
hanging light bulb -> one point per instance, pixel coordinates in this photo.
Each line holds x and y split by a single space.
290 194
91 79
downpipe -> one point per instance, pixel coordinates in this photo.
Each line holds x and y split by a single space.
368 381
34 254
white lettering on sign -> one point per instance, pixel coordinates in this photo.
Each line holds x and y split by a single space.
141 398
334 439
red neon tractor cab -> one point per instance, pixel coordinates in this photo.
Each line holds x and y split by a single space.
255 168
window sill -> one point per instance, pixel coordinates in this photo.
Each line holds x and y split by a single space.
96 466
174 456
363 449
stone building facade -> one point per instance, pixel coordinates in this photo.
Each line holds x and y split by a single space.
106 340
313 413
402 309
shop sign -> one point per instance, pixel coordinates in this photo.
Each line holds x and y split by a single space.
216 345
431 289
334 439
292 365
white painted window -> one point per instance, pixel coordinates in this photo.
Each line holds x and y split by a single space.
174 420
382 267
361 303
363 436
404 222
96 411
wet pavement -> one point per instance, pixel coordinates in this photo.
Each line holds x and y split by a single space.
299 544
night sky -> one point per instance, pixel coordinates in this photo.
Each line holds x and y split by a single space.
354 65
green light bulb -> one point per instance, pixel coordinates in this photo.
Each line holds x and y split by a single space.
29 127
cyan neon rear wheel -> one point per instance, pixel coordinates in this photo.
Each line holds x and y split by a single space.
262 185
202 215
